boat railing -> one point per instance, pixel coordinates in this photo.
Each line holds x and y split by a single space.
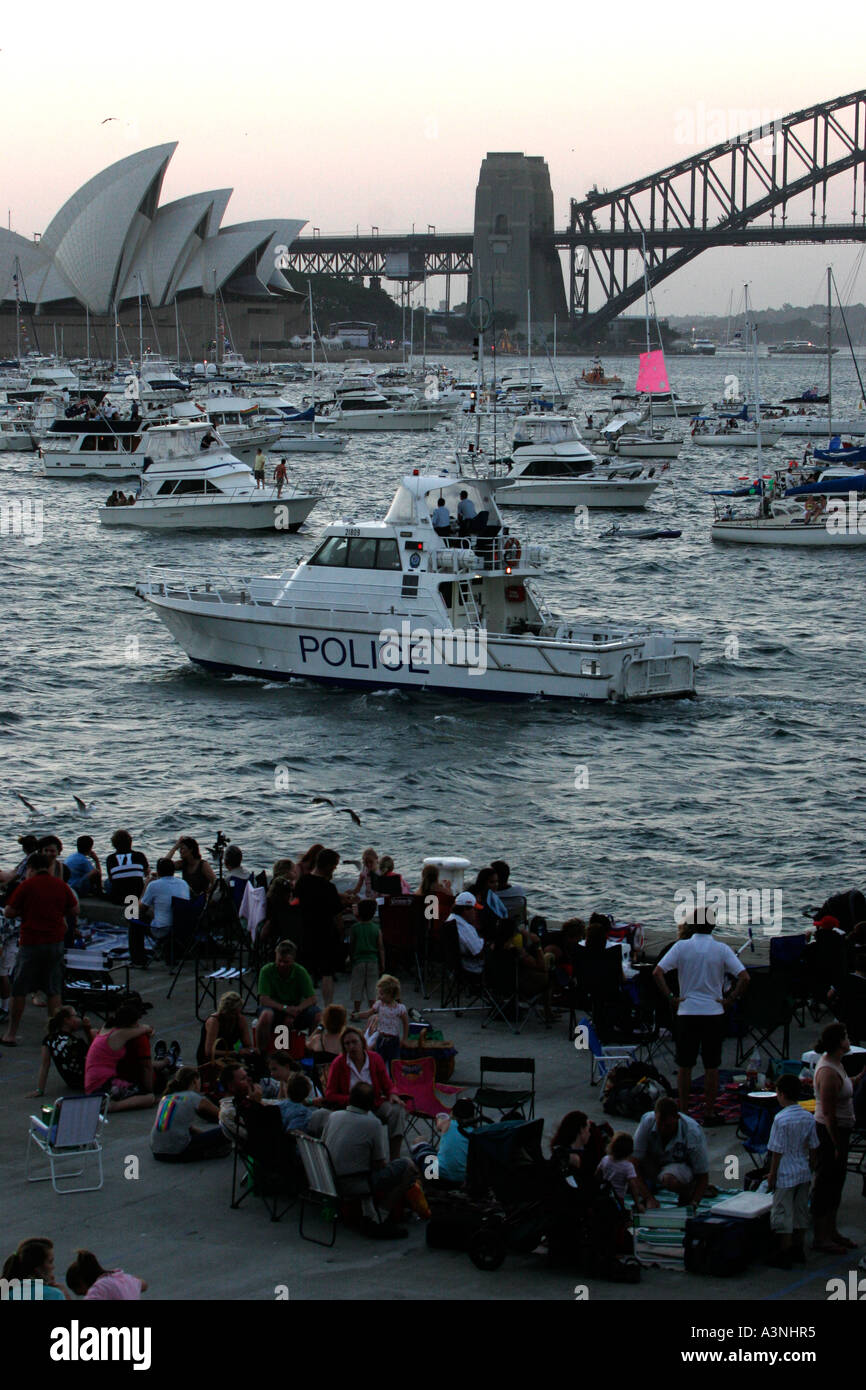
191 585
486 553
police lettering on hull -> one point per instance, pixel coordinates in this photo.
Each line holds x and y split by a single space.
337 651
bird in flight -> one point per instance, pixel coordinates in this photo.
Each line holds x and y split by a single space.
28 804
82 805
107 119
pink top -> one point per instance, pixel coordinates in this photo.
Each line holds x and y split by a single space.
100 1065
115 1285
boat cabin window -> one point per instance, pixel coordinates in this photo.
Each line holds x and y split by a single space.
359 553
104 444
548 468
190 485
168 486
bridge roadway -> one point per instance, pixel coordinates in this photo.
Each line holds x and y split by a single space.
451 252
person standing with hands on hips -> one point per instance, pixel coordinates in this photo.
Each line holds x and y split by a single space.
702 966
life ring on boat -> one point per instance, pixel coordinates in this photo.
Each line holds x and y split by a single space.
511 550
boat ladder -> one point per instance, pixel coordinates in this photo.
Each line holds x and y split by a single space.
467 598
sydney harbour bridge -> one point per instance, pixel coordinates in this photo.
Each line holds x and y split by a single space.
770 185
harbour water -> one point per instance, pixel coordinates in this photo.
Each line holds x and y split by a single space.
756 784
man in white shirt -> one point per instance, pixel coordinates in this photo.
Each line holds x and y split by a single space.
702 966
159 895
471 944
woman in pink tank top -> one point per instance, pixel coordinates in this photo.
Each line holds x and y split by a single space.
103 1055
834 1121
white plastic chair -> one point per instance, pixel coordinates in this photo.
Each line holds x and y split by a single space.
73 1134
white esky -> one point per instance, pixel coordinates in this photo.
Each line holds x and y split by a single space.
350 114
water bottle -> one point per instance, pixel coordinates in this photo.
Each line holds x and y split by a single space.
752 1069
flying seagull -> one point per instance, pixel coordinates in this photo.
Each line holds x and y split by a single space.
349 812
82 805
322 801
28 804
107 119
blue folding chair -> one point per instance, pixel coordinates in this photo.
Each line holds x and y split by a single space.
753 1131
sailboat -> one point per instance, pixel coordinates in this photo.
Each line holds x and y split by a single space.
779 514
295 441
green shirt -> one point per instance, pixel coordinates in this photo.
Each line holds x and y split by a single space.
288 990
365 942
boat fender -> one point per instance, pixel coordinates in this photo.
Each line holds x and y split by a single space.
511 550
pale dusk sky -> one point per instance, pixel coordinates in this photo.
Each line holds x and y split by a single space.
346 114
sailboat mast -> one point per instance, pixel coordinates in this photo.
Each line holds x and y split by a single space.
829 353
753 327
529 336
312 354
646 314
140 331
177 330
17 310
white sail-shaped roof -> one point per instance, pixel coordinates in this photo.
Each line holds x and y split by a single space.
177 229
111 242
96 230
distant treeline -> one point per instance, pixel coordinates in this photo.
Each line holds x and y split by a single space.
777 325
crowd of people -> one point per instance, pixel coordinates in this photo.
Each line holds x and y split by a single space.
308 1065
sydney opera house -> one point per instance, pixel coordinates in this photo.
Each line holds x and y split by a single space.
113 243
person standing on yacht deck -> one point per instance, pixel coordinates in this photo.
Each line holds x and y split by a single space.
259 469
466 513
280 476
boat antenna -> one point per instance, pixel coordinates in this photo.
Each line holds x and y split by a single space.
753 329
830 351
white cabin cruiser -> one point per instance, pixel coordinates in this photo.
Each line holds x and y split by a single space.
190 484
626 436
734 433
240 421
545 438
159 383
369 410
397 604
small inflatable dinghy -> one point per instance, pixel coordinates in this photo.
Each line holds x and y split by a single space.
617 533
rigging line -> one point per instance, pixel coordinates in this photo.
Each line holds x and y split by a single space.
848 336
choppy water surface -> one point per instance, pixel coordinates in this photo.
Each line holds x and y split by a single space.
759 782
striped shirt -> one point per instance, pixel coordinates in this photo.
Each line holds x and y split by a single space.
793 1135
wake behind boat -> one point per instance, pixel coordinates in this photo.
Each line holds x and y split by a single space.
398 603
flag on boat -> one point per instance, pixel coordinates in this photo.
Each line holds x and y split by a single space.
652 375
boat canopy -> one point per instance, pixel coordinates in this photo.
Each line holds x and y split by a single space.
622 422
855 482
174 441
545 429
418 493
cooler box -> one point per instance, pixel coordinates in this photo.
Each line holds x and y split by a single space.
734 1234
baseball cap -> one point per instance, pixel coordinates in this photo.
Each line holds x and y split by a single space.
465 900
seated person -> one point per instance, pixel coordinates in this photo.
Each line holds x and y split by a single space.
286 996
492 912
465 916
175 1137
357 1064
356 1143
617 1168
86 1278
225 1032
453 1150
65 1043
389 883
297 1111
512 895
670 1151
238 1094
101 1068
238 876
85 875
158 898
326 1038
125 869
441 518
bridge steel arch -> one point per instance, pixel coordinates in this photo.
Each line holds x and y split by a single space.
711 199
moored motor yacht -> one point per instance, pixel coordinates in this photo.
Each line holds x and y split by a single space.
190 485
397 604
369 410
604 485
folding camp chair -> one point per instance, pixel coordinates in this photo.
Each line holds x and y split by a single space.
602 1059
263 1161
501 986
71 1134
400 921
763 1011
461 989
415 1082
320 1185
753 1130
504 1099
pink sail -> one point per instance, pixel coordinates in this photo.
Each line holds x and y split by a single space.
652 376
